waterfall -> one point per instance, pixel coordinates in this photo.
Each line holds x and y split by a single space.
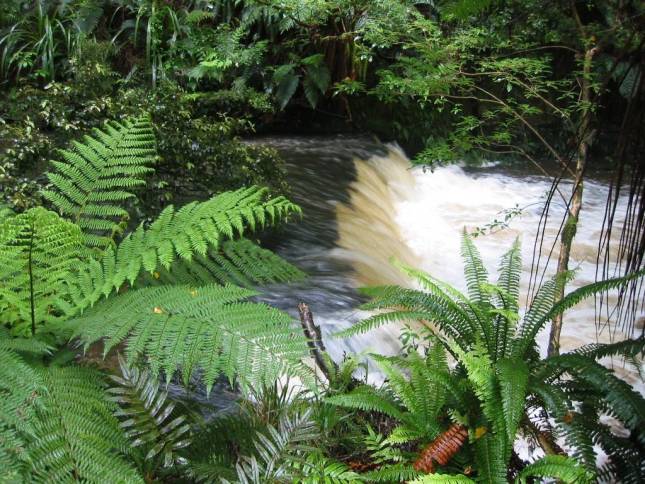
417 217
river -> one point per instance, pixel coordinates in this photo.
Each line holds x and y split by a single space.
364 204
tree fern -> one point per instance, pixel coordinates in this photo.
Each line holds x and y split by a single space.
148 417
37 251
185 233
77 437
210 328
240 262
97 176
21 390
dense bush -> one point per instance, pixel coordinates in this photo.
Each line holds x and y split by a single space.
199 147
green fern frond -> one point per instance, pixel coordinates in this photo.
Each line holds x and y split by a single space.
513 376
316 468
240 262
413 306
489 452
559 467
535 318
37 252
190 231
77 437
510 270
368 399
474 270
278 449
589 290
629 348
96 177
627 404
210 328
443 479
148 417
398 472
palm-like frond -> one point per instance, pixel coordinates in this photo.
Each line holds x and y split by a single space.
37 251
474 270
76 434
97 177
210 327
277 450
559 467
369 399
443 479
182 234
240 262
148 416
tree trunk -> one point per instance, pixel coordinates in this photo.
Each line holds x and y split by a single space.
585 139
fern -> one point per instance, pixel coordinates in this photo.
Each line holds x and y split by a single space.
21 389
443 479
97 176
239 262
77 436
474 270
210 327
589 290
148 417
399 472
185 233
277 450
367 398
559 467
37 251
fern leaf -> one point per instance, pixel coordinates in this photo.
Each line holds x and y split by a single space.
37 252
589 290
510 270
239 262
474 269
176 234
276 452
627 404
513 378
368 399
147 415
96 177
629 348
559 467
210 328
443 479
398 472
76 435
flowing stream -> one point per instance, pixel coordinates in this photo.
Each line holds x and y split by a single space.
364 204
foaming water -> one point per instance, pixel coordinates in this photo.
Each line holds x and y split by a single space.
369 234
364 204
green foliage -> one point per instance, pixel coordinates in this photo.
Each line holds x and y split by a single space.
181 234
556 466
92 184
149 418
38 251
76 435
500 383
21 387
209 327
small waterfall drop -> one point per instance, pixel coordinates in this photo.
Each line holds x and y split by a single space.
369 234
418 216
364 204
